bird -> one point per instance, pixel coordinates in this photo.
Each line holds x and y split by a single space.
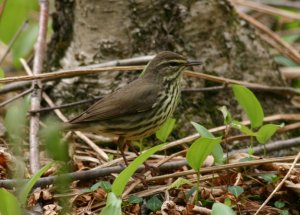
141 107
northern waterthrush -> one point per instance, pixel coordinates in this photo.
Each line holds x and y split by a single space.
141 107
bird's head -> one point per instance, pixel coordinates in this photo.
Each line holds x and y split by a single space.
168 65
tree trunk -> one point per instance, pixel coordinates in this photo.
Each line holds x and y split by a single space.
91 31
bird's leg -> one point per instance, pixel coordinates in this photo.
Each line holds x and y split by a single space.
122 144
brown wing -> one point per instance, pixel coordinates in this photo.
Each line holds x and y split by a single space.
135 97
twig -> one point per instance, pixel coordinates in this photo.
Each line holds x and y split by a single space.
138 181
14 86
2 7
100 152
95 173
272 146
221 128
279 185
70 73
36 94
124 62
290 72
222 167
13 40
280 3
16 97
287 48
67 105
267 9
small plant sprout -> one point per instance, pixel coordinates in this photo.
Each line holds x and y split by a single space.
199 150
252 107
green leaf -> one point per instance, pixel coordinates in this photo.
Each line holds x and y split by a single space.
271 178
244 129
9 203
227 202
133 199
154 204
236 190
14 14
122 179
163 133
217 152
24 44
2 74
226 115
291 38
51 136
221 209
202 130
199 150
280 59
190 192
246 159
29 185
105 185
113 205
16 112
279 204
179 182
266 132
284 212
250 105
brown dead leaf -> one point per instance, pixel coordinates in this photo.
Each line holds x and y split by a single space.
170 208
51 209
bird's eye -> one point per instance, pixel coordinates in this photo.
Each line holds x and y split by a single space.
174 64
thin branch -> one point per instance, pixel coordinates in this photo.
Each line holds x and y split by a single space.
13 40
70 73
14 86
2 7
89 142
290 72
267 9
36 94
67 105
272 146
16 97
291 4
287 49
101 172
279 185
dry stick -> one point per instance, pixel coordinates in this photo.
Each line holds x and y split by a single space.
290 72
221 128
14 86
285 3
124 62
70 73
138 181
267 9
2 7
280 184
13 40
272 146
16 97
280 90
289 50
222 167
100 152
36 94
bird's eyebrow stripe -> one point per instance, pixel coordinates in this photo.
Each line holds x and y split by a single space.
172 61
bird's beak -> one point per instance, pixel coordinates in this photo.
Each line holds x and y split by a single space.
193 63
